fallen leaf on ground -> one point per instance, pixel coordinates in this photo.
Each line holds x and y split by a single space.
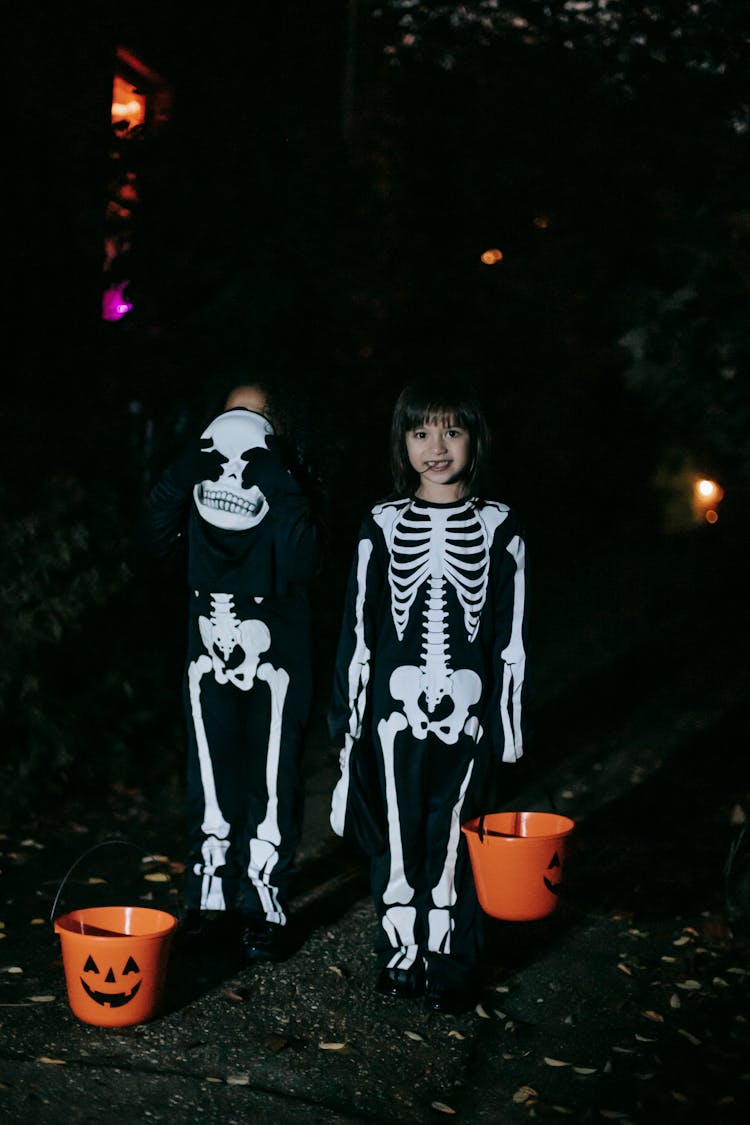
555 1062
651 1015
674 1001
94 879
625 968
689 985
157 877
37 921
441 1107
645 1038
331 1046
238 1080
414 1035
453 1034
11 969
335 969
51 1062
482 1012
42 999
690 1038
236 995
525 1094
585 1069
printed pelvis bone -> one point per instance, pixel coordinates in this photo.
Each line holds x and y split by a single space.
227 502
434 678
223 633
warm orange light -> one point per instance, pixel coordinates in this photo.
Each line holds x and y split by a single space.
541 221
711 516
127 104
491 256
708 491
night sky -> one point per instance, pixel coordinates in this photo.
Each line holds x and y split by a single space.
317 210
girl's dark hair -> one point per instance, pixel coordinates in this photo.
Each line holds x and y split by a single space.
427 399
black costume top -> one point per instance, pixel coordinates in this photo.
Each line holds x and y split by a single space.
438 588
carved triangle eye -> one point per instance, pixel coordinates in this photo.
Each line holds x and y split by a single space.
90 966
130 967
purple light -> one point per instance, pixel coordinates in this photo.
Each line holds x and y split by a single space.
114 302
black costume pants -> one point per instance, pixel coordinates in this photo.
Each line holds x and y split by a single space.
247 696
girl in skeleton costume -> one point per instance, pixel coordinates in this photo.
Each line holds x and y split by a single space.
252 551
428 691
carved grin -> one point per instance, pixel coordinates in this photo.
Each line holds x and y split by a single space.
113 999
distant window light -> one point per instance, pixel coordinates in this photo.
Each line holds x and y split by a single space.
128 104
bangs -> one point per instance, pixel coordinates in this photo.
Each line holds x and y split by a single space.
437 413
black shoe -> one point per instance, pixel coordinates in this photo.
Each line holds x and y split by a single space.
262 941
403 984
440 998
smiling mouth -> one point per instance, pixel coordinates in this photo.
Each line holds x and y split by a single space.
437 466
113 999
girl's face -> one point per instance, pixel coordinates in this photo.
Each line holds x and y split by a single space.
439 451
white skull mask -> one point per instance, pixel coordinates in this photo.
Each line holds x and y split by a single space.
226 502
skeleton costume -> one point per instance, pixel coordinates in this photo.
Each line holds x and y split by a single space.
427 698
252 550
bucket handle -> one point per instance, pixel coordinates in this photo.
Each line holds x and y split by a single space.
482 831
95 847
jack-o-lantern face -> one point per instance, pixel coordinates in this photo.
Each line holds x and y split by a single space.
113 999
554 888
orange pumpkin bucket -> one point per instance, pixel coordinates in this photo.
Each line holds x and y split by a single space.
115 957
517 860
115 961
